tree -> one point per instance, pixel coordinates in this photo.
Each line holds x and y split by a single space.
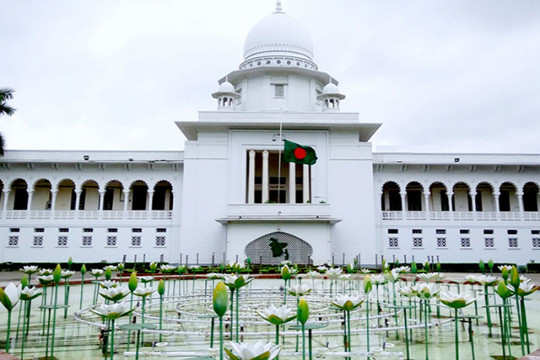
5 94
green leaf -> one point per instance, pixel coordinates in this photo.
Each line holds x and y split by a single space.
24 282
231 355
264 356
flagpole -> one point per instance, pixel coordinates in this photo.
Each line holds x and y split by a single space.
279 162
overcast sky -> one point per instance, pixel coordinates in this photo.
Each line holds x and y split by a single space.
441 76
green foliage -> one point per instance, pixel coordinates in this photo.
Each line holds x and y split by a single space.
482 266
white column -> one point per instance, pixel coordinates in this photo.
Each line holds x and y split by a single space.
53 200
5 204
473 200
292 183
101 198
251 177
520 201
426 201
126 201
307 182
451 201
29 203
265 179
77 199
496 200
403 201
150 200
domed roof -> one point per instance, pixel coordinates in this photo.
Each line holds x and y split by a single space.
278 34
226 87
330 88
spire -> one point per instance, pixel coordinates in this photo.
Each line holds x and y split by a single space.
278 6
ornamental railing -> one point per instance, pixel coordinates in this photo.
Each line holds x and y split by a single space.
461 215
87 214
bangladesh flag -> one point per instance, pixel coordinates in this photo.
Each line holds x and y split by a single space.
299 154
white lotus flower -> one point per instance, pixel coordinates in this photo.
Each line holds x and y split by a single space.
482 279
67 273
365 271
507 267
97 272
236 281
277 315
146 279
214 276
167 268
526 288
144 291
334 272
403 269
299 290
426 291
408 291
378 279
114 294
45 279
345 277
107 284
45 272
454 300
313 274
29 269
29 293
10 295
322 269
194 267
248 351
111 267
392 275
347 302
431 276
112 311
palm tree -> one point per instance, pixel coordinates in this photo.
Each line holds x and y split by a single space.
5 94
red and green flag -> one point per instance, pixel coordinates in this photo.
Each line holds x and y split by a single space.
299 154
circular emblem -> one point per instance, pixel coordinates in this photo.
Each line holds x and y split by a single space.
300 153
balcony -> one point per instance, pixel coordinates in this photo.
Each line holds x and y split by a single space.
278 212
86 215
460 215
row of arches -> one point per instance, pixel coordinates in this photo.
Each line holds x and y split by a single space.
460 197
89 195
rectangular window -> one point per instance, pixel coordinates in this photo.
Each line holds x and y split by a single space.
62 241
464 231
536 243
112 230
160 240
88 230
512 242
136 230
535 232
135 241
440 231
38 241
465 242
14 230
488 232
489 242
441 242
111 240
63 230
39 230
279 90
161 230
417 242
13 241
86 241
511 232
393 242
393 231
416 231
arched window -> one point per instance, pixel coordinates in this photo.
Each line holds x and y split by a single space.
391 198
414 196
530 197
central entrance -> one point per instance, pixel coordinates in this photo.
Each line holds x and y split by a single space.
275 247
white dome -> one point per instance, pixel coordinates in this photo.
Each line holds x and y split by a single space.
278 34
330 88
226 87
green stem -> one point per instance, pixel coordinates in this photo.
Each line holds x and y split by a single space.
24 328
303 342
232 313
82 287
367 322
237 312
521 329
221 338
349 329
112 339
160 316
142 316
406 332
525 326
503 333
54 319
8 330
426 329
488 312
507 327
345 345
456 334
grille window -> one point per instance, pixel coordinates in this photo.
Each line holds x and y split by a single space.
417 242
488 232
441 242
111 240
393 242
112 230
440 231
39 230
161 230
14 230
86 241
489 242
160 240
536 243
512 242
135 241
465 242
13 241
38 241
63 230
464 231
62 241
88 230
136 230
417 231
392 231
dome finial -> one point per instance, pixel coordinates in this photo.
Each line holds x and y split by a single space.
278 6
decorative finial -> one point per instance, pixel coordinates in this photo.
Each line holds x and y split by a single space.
278 6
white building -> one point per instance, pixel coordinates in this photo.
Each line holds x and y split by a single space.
229 195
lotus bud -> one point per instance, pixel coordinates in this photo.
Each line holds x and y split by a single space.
161 287
220 299
368 284
69 263
24 282
133 281
505 274
481 266
285 273
153 267
514 277
426 265
57 274
83 269
108 273
303 311
490 265
121 267
503 290
414 269
438 266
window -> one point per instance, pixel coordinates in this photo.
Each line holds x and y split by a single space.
489 242
440 231
62 240
536 243
161 230
417 242
111 240
535 232
14 230
279 90
63 230
393 242
86 241
136 230
417 231
488 232
88 230
465 242
512 242
441 242
38 241
393 231
39 230
512 232
160 240
135 241
464 231
13 241
112 230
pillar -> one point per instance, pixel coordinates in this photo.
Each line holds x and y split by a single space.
265 178
53 200
251 177
403 200
496 199
5 204
451 201
306 183
427 209
77 199
150 200
292 183
520 201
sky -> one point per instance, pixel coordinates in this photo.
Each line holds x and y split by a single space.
441 76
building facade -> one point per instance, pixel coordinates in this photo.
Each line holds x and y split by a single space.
230 195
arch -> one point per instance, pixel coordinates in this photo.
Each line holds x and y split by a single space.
162 199
461 197
530 196
42 196
391 197
114 195
66 196
275 247
414 192
508 200
18 196
138 195
439 196
484 200
89 197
